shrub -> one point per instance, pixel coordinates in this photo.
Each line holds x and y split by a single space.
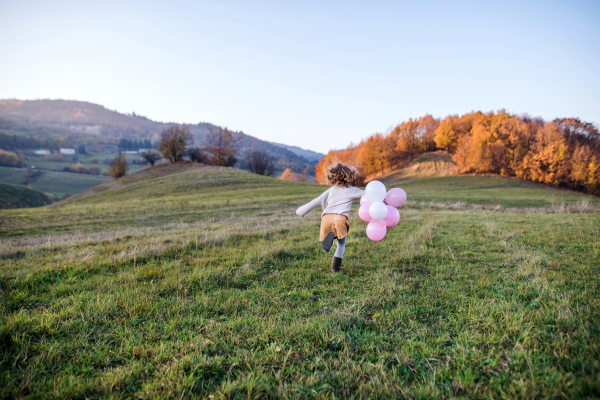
151 156
10 159
118 166
95 170
197 155
288 175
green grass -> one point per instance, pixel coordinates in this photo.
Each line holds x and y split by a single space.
58 184
196 282
12 196
488 190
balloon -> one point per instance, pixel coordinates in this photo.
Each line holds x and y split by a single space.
363 213
376 230
375 191
396 197
392 217
378 210
364 200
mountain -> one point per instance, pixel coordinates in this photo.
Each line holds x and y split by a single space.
308 154
42 117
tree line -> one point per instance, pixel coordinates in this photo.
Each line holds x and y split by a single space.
135 145
563 153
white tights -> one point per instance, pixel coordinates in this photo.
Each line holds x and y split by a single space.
341 246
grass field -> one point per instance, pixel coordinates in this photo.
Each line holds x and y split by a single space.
87 160
58 184
12 196
186 282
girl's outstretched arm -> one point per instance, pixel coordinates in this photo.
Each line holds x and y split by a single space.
302 211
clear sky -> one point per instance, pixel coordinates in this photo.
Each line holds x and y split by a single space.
316 74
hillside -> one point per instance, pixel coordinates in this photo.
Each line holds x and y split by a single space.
58 184
12 196
308 154
205 278
46 117
432 178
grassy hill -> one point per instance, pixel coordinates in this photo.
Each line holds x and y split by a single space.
431 180
12 196
58 184
186 281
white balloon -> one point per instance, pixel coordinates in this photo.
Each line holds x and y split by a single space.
378 210
375 191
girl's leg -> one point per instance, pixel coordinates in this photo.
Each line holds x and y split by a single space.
341 246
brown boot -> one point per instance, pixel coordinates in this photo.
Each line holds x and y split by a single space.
336 264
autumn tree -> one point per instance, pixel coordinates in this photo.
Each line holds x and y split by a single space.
118 166
258 162
287 175
223 146
174 142
151 156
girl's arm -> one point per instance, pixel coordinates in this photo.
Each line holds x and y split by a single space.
357 193
302 211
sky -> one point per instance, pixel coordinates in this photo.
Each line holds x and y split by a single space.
316 74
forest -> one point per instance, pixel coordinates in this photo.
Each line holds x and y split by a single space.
562 153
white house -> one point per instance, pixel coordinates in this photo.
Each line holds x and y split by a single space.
67 151
41 152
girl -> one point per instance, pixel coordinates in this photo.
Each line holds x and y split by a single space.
336 202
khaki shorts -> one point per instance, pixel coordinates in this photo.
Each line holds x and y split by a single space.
337 223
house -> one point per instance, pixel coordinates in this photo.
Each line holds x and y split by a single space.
67 151
41 152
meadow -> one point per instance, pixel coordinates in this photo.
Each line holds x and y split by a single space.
185 281
58 184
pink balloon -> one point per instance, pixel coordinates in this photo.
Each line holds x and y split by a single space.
364 200
396 197
392 217
376 230
363 213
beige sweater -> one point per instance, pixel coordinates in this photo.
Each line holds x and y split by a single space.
335 200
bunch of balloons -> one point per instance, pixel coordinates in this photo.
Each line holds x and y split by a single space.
378 214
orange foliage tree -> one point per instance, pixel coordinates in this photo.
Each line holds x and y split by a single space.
563 153
287 175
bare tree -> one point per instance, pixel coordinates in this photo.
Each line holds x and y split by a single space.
259 162
174 142
223 146
151 156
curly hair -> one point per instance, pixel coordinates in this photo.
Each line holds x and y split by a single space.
341 175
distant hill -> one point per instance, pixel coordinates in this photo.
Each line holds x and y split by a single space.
308 154
12 196
41 116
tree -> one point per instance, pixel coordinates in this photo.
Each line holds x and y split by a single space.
304 176
118 166
259 162
197 155
287 175
174 142
223 146
81 149
151 156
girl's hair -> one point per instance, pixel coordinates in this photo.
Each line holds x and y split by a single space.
341 175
